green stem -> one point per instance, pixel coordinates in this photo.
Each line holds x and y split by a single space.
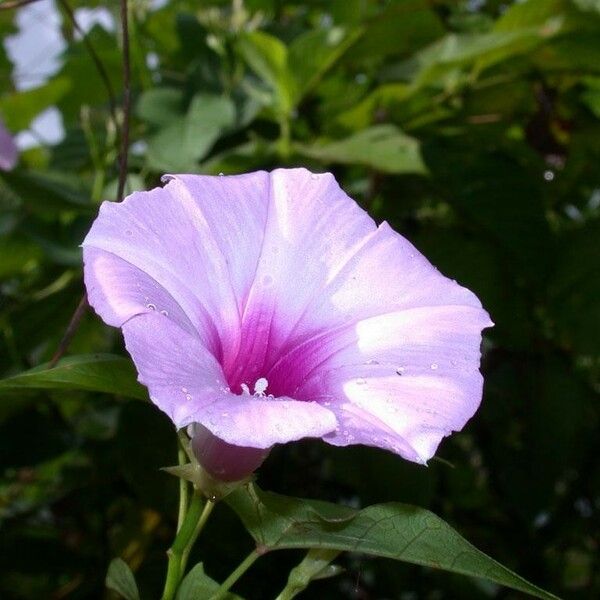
315 565
185 537
284 143
208 507
183 490
235 575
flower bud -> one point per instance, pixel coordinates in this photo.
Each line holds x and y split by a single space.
224 461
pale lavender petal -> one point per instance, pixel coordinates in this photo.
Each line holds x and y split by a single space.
119 291
220 281
311 225
385 274
402 380
187 382
8 149
180 241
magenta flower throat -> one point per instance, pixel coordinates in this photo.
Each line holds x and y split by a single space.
269 307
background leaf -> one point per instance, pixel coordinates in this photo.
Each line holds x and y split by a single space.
197 584
120 579
397 531
96 372
382 147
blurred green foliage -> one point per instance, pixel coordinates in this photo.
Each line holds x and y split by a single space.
473 127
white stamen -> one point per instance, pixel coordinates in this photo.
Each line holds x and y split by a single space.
245 389
260 386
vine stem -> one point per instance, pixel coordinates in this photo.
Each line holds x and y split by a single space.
183 491
192 524
102 72
123 151
10 4
208 507
236 574
70 331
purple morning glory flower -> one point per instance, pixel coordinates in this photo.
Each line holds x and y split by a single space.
8 149
269 307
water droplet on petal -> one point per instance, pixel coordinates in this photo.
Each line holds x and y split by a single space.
372 361
151 306
184 390
165 313
434 366
400 371
188 396
221 174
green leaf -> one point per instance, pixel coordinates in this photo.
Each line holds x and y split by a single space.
588 5
47 192
197 584
399 531
267 56
529 14
360 115
187 139
440 63
399 28
90 372
20 108
293 72
591 95
121 580
313 53
315 565
77 68
18 254
382 147
53 479
159 106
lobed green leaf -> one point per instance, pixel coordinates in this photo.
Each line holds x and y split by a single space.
394 530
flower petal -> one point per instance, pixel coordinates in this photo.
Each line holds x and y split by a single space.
8 149
402 380
280 275
311 224
187 382
198 239
385 274
260 422
118 291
